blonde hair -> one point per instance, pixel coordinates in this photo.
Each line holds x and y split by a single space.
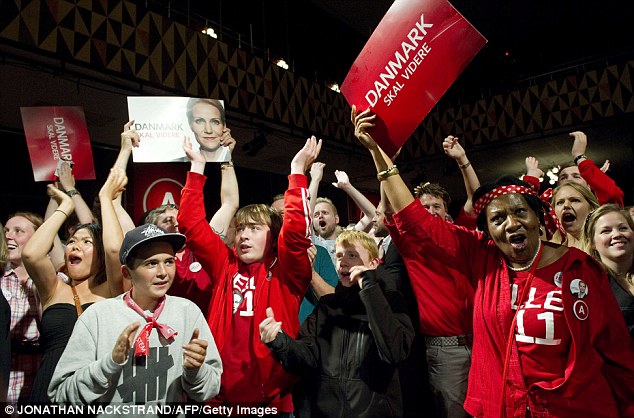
591 223
328 201
349 237
584 191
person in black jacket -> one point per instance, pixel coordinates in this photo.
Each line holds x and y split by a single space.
351 344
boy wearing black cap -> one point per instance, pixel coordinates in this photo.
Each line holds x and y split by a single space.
179 358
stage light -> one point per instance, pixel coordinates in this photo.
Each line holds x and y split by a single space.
334 87
281 63
210 32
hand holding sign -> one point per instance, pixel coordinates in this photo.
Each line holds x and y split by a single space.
414 55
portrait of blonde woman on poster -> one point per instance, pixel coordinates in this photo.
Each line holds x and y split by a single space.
206 119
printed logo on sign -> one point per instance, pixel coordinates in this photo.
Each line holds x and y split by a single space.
163 191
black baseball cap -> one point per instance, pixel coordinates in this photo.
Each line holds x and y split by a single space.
148 233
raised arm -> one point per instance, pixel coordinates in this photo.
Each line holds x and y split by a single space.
229 192
57 252
601 184
129 139
112 232
362 202
396 190
34 254
316 174
67 184
471 182
533 174
209 249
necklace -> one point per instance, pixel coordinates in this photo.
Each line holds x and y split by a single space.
529 265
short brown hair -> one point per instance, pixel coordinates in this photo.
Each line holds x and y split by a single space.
263 214
435 190
153 215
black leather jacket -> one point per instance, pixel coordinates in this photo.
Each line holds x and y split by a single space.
349 347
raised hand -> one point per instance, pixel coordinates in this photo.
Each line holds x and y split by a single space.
532 167
226 140
66 178
342 180
606 166
269 327
452 148
114 185
317 171
129 137
580 143
195 351
61 198
362 123
306 156
124 343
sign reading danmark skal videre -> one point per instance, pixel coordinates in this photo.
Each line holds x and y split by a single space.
55 134
416 52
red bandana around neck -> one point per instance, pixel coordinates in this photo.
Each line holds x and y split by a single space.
141 345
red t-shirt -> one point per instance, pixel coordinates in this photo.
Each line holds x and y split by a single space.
240 379
541 333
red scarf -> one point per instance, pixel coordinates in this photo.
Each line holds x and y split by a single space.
141 345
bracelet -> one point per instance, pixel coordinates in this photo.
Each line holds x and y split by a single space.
72 192
226 164
59 210
383 175
465 165
578 157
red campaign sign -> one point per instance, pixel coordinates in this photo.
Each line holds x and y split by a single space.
416 52
55 134
156 185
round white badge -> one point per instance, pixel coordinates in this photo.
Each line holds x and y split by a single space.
580 308
195 267
558 278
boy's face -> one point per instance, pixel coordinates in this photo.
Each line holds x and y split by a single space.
253 241
350 255
153 272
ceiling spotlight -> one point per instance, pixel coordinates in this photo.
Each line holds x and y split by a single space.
210 32
281 63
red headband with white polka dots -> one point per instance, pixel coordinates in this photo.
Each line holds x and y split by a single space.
550 219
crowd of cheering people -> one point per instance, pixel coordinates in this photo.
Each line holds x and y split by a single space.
521 306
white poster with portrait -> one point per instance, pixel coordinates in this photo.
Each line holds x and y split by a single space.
164 121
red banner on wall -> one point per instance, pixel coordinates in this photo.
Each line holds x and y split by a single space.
55 134
416 52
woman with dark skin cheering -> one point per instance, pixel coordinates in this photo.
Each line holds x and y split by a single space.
538 350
